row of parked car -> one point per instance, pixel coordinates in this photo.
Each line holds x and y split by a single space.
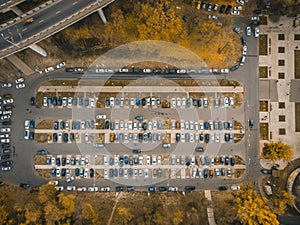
157 71
223 8
29 126
19 84
69 101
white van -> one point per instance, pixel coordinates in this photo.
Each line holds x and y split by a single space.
7 112
242 61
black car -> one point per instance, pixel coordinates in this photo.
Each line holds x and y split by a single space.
63 172
92 172
201 137
63 161
136 151
234 68
53 172
177 137
55 125
199 149
31 124
66 137
206 138
4 157
57 161
54 101
162 188
54 138
257 11
152 189
222 9
77 172
74 101
5 145
59 101
62 125
243 40
232 161
144 126
7 163
199 102
7 123
222 188
228 9
69 69
107 102
226 161
72 137
24 185
203 5
143 101
42 152
189 188
119 188
8 107
32 101
31 135
106 125
205 173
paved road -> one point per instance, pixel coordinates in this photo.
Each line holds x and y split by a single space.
45 18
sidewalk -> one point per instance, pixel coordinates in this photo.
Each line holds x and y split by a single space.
210 210
138 89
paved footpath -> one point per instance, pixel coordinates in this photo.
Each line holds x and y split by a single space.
210 210
154 89
17 62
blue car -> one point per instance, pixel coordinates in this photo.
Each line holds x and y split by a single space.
86 102
206 125
137 102
31 124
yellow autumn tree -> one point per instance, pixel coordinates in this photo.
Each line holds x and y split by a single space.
47 193
281 201
3 215
125 215
277 151
89 214
253 209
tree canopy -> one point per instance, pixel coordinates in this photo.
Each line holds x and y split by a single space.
252 209
277 151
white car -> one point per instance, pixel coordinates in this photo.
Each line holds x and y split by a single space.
6 140
241 2
235 13
153 100
231 101
60 137
255 18
244 49
235 188
131 102
70 101
205 102
112 101
20 80
256 32
81 189
71 188
183 102
147 70
105 189
8 101
45 101
181 71
101 117
226 102
64 101
248 31
179 102
70 179
60 65
173 189
93 102
237 8
159 160
93 189
173 102
7 85
49 69
5 169
224 70
5 117
58 172
5 129
130 125
18 86
26 134
123 70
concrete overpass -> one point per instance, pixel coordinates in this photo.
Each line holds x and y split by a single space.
49 18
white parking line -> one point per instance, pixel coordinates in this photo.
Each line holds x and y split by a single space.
41 21
24 29
57 12
74 3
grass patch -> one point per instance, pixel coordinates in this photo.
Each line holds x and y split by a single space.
297 116
45 124
263 44
62 83
239 160
297 64
40 159
238 137
264 131
46 173
263 106
263 20
239 173
41 137
263 72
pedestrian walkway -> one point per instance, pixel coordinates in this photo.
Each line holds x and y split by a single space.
210 210
138 89
17 62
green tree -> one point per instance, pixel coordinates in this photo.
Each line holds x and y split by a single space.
252 209
277 151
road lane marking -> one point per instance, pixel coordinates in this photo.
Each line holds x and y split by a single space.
74 3
57 12
24 29
41 21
